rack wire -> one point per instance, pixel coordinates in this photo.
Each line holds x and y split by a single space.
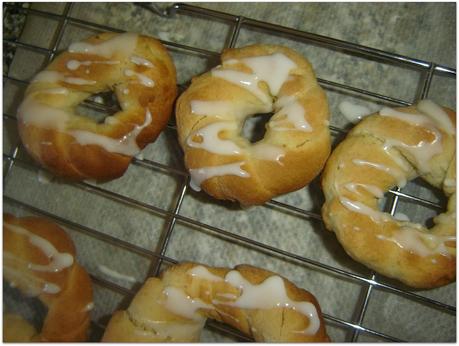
354 327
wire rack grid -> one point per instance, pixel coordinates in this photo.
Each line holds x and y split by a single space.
156 253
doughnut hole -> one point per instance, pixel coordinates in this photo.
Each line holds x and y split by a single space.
99 106
30 308
415 211
254 127
422 212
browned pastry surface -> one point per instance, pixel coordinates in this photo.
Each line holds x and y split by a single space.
261 304
212 111
384 150
136 68
39 259
17 329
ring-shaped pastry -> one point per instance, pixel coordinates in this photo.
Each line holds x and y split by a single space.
211 114
39 259
259 303
385 150
136 68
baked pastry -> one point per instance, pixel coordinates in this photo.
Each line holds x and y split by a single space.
17 329
136 68
385 150
39 259
261 304
211 114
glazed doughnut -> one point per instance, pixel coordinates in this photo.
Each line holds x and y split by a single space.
211 113
136 68
261 304
39 259
385 150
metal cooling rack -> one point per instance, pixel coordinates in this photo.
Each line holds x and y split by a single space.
368 284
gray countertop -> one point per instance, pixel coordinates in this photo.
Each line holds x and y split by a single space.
425 31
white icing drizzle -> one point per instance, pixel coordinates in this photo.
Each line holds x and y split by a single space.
270 294
78 81
138 60
398 159
227 296
75 64
47 77
88 307
361 208
111 120
179 303
415 119
268 152
144 80
114 274
423 151
245 80
126 145
203 273
353 112
34 285
272 69
54 77
51 288
32 112
437 114
121 44
373 189
57 91
422 244
212 142
294 113
198 175
58 260
397 174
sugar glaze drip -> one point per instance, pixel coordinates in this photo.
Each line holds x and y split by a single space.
58 260
271 293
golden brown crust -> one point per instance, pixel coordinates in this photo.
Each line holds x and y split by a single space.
17 329
68 315
305 152
408 252
57 149
278 324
